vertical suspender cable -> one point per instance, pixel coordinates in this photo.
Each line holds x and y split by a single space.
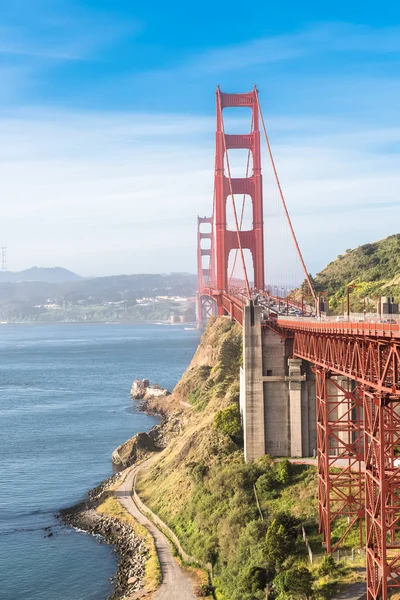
284 203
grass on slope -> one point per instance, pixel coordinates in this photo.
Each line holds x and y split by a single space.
202 488
374 268
110 506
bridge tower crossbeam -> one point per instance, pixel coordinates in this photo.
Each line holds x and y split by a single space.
225 239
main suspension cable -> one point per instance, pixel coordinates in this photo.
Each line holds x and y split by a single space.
284 202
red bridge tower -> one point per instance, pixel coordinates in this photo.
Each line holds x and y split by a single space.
225 186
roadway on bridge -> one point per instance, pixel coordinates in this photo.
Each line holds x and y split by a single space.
175 585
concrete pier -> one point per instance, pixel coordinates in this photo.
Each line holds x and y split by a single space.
251 385
277 394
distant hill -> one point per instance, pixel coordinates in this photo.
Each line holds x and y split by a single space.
100 298
45 274
374 268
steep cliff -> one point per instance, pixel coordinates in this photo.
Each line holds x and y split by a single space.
244 519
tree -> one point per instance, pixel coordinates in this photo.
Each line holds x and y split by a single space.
265 484
327 566
294 583
228 421
282 472
280 539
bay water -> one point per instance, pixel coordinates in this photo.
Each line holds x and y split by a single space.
64 407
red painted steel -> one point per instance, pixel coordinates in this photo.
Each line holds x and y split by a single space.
252 239
382 505
205 274
357 367
368 360
339 456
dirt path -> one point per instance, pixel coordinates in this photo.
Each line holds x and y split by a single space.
175 585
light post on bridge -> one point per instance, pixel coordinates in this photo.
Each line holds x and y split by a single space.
287 300
278 298
349 287
363 302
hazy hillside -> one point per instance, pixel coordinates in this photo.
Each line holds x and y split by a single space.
373 268
98 299
45 274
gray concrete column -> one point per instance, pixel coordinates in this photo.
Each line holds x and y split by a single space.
251 383
296 419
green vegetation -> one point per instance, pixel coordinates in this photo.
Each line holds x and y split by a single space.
373 268
228 421
110 506
97 299
202 488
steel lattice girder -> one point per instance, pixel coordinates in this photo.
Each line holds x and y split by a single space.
227 303
339 444
372 362
382 501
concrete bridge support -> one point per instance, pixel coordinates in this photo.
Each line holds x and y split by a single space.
277 394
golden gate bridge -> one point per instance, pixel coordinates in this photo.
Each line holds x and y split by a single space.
355 363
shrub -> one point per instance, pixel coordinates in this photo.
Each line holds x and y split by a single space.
283 472
228 422
294 583
280 539
198 471
327 566
265 484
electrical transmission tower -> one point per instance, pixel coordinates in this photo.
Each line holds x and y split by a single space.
3 257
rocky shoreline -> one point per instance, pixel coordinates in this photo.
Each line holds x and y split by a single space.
132 551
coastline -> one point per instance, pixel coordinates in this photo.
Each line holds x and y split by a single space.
134 548
131 549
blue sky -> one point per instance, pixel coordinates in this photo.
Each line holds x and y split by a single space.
107 124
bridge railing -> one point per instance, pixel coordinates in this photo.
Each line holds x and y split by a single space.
353 317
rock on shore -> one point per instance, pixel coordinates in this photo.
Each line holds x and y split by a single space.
131 550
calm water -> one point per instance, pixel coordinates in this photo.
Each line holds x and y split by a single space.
64 406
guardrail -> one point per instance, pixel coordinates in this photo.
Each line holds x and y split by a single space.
353 318
167 531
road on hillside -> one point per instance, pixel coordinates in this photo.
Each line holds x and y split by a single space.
175 584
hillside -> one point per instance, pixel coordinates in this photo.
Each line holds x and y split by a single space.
43 274
202 488
99 299
374 268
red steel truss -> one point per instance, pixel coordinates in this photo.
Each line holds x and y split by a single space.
382 502
370 361
339 455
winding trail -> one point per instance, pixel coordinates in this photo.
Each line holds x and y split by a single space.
175 585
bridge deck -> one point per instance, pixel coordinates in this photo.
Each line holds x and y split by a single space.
352 328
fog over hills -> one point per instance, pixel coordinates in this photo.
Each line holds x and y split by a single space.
45 274
58 295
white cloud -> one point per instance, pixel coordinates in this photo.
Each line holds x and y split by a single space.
104 191
110 192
